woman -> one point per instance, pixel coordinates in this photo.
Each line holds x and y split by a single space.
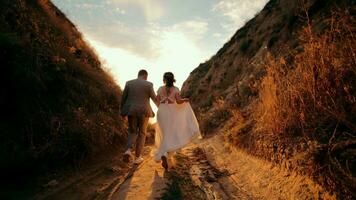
176 123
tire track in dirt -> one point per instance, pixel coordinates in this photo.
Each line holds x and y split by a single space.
100 182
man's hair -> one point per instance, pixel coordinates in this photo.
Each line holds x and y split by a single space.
142 72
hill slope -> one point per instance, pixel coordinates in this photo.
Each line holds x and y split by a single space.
58 106
232 72
283 88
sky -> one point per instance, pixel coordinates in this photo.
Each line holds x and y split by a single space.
157 35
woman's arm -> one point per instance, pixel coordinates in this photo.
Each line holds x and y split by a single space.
179 99
182 100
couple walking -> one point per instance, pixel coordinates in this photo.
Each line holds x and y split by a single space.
176 123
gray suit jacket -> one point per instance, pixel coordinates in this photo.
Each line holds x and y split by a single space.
136 98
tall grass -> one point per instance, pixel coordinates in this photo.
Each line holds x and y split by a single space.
311 94
315 91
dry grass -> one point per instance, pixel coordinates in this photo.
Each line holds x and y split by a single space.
214 118
314 97
318 87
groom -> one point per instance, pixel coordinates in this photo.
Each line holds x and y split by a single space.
135 104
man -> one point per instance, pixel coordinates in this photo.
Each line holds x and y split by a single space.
135 104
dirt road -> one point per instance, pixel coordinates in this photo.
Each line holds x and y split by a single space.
208 170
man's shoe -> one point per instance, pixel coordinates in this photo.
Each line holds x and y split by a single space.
138 160
164 162
127 156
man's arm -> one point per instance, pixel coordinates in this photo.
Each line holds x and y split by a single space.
153 95
124 95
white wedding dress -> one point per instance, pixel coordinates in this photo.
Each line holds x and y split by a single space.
176 126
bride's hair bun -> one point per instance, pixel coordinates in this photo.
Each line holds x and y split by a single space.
168 78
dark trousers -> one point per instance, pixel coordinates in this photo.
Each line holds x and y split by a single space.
137 133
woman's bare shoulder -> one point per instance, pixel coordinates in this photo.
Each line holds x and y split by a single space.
160 89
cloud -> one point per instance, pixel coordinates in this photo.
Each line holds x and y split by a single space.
217 35
219 38
121 11
193 29
88 6
146 41
152 9
238 12
138 40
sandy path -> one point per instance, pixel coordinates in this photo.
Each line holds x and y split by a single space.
254 178
113 180
147 182
216 171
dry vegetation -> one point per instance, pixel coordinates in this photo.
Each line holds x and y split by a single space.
59 107
315 96
320 87
293 102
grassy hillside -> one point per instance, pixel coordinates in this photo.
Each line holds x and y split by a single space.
58 106
283 88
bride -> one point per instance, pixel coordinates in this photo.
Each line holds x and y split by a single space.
176 123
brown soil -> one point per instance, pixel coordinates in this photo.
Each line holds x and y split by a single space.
208 170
